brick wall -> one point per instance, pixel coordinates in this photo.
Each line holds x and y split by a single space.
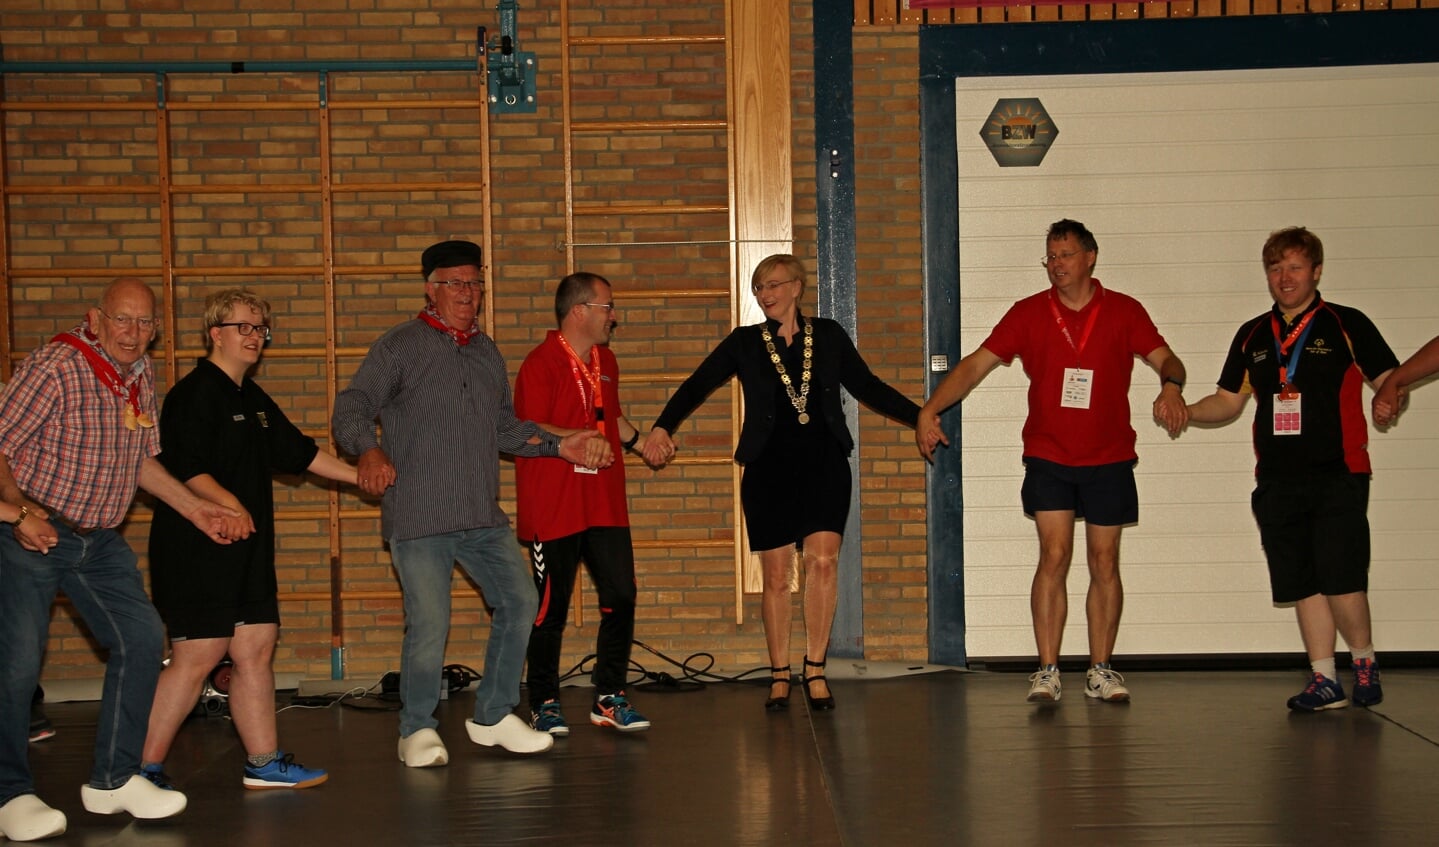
63 247
891 336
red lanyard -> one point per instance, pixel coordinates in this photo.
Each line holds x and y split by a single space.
1287 345
587 374
1064 327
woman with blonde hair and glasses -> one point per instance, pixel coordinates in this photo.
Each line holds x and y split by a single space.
795 448
223 436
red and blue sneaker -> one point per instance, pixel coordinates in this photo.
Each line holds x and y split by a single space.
614 710
1322 693
1367 691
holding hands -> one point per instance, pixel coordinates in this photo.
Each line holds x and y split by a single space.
375 471
659 448
221 523
1388 402
586 447
1170 410
928 434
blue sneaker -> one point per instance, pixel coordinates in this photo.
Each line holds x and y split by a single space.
1321 693
550 719
156 775
282 772
614 710
1367 691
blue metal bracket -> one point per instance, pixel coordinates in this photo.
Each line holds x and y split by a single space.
511 77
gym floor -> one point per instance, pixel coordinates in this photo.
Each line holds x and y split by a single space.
928 758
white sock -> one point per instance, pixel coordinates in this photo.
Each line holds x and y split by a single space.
1366 653
1324 667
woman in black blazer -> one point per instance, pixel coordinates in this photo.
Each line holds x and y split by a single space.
795 448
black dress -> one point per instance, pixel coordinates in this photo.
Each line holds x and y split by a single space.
797 476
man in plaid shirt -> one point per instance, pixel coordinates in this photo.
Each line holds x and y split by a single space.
77 437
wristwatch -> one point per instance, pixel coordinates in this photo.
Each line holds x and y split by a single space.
1178 382
24 511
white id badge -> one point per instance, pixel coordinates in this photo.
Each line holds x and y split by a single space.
583 469
1286 414
1077 385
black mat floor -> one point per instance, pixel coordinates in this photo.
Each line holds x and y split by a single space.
942 758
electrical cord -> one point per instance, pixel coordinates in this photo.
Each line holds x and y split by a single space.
693 673
370 698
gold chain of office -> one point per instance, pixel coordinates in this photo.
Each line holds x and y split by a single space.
799 400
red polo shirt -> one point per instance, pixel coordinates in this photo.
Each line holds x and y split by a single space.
1101 434
553 500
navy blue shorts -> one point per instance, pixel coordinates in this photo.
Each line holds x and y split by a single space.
1103 495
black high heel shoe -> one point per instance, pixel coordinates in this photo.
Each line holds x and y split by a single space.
778 704
819 704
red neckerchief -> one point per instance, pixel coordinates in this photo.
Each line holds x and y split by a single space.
83 340
462 337
587 373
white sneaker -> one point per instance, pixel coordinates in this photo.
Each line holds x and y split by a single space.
1044 686
139 796
423 749
511 733
1105 684
27 818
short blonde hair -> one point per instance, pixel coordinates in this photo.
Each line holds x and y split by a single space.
793 266
221 305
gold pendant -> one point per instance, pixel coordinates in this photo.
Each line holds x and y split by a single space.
129 418
804 417
145 420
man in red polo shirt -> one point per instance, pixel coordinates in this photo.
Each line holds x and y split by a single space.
568 512
1077 341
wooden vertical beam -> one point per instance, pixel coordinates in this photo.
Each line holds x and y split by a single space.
761 181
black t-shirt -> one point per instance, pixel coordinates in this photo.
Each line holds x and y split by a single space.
239 436
1328 368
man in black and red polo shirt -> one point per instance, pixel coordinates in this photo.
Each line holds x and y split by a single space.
1305 361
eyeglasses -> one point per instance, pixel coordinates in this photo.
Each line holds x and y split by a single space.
766 287
608 307
127 321
249 329
460 284
1061 256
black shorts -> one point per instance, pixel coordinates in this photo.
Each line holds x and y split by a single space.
184 624
1315 531
1103 495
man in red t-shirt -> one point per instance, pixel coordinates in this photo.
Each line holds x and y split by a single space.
568 512
1077 341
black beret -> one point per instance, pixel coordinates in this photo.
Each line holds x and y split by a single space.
450 254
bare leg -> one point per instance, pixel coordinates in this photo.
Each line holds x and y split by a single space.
776 609
1048 599
1316 626
252 687
821 594
179 690
1105 602
1351 618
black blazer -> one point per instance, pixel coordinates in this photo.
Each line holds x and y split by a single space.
836 363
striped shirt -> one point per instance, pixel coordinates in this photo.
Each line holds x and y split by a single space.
447 415
65 436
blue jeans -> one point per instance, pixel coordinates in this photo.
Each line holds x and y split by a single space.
492 558
97 572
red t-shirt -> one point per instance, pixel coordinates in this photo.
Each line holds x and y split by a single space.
553 500
1100 434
